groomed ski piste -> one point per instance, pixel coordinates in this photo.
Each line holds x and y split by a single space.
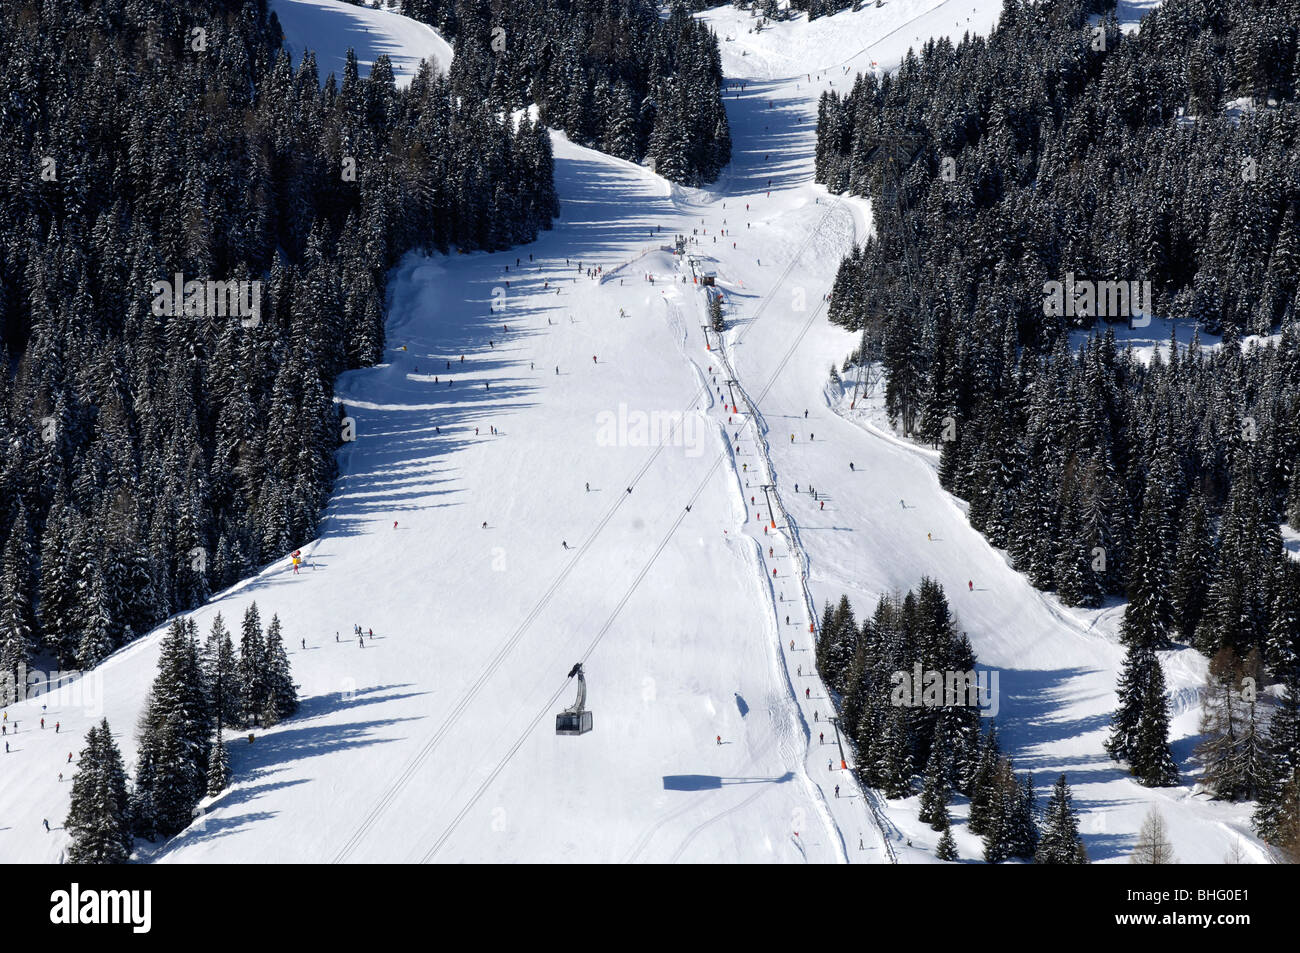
503 396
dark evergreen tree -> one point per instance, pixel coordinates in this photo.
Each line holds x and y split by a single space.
98 822
175 735
222 675
1148 755
281 693
1059 841
218 767
1283 758
936 792
946 849
983 784
17 619
253 669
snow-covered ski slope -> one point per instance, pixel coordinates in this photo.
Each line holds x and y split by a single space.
434 742
331 27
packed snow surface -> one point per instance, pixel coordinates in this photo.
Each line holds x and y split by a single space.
331 27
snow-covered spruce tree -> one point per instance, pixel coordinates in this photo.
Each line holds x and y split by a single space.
1024 822
98 821
1059 841
1149 758
56 595
1192 564
221 672
1249 557
98 635
1152 553
175 734
17 618
946 849
836 643
983 782
1283 758
957 731
936 792
252 669
891 767
999 816
218 766
1282 649
281 693
1140 725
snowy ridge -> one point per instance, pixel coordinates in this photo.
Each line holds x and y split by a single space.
331 27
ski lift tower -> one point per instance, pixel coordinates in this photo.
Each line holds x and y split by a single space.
735 408
575 720
768 489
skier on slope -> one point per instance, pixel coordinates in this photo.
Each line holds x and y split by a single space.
821 737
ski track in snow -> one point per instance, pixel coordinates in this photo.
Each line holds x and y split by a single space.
434 742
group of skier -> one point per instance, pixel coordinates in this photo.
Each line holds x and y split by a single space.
6 724
360 633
